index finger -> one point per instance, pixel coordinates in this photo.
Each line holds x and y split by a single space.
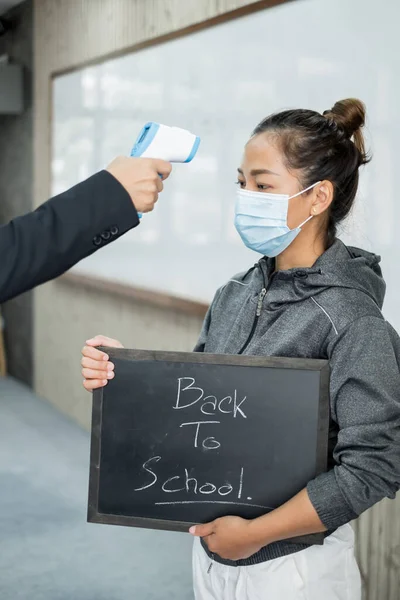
163 167
91 352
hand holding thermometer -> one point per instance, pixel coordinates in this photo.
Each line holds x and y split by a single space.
168 143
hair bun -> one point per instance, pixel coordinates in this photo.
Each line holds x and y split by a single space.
348 116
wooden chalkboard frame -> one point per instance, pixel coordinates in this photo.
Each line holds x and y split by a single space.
94 516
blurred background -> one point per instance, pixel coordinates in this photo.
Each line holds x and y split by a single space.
78 79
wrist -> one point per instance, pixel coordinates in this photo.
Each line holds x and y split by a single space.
260 531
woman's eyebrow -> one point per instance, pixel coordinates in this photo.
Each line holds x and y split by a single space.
256 172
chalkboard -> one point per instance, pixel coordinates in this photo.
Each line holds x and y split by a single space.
184 438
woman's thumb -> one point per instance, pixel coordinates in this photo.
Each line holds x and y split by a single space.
202 530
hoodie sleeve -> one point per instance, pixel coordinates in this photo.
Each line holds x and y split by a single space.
201 342
365 403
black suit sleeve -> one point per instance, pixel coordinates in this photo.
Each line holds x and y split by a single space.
44 244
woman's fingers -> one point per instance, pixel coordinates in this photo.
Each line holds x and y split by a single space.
94 384
97 369
102 340
96 374
100 365
89 352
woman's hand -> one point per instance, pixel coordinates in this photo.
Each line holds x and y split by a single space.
232 538
97 369
235 538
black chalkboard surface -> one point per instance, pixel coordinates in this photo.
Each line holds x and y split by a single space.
184 438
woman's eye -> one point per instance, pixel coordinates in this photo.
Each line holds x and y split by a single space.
263 186
241 184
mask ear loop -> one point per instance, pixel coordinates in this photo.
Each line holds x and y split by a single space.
304 191
304 222
299 194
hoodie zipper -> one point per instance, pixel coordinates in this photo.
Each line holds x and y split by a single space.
260 301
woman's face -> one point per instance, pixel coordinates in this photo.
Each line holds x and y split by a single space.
263 170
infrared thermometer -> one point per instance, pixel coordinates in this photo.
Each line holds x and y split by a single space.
172 144
168 143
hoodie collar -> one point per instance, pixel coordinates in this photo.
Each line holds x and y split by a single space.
340 266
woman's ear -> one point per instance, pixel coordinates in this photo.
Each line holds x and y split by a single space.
323 197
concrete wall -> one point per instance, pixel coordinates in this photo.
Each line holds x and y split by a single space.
16 188
67 34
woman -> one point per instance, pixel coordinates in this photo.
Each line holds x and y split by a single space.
309 296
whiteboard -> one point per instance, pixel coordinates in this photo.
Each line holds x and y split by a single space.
219 83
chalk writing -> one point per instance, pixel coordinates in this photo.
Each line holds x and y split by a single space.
213 502
190 394
189 484
209 443
145 467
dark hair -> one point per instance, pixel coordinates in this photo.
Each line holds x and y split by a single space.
328 146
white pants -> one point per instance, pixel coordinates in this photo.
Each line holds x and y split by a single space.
327 572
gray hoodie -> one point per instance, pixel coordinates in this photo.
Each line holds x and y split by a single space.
330 311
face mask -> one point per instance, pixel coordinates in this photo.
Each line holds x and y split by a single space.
261 221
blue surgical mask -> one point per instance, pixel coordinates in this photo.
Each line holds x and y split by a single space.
261 221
